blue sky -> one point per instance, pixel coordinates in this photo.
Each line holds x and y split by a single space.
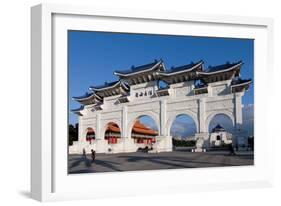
94 56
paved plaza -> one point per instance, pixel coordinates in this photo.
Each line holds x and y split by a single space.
148 161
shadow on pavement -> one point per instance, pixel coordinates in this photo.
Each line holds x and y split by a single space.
122 162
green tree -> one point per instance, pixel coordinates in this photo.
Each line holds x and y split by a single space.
72 133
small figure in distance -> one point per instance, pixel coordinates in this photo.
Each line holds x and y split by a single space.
93 154
84 153
146 149
231 149
236 147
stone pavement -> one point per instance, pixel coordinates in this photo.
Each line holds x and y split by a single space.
167 160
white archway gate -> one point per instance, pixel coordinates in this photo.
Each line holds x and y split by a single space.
137 93
164 111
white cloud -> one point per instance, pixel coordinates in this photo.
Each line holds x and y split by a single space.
182 129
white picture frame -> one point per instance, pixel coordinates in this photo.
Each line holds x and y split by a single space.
49 179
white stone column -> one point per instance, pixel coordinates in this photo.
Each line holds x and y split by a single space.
238 110
81 135
163 118
99 136
128 143
201 116
238 117
202 135
125 121
101 145
164 140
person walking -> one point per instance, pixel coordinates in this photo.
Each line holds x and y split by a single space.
84 153
93 154
231 149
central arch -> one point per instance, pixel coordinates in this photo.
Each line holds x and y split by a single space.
174 115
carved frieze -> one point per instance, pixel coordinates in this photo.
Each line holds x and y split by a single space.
220 104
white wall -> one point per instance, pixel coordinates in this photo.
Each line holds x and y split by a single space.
15 95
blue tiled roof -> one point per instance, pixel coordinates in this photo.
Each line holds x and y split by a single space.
106 84
109 85
222 66
182 68
78 109
138 68
87 94
218 128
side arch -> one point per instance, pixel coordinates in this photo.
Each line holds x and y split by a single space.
90 134
105 124
82 136
213 114
174 115
133 118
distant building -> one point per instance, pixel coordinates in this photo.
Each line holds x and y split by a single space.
177 138
140 133
143 136
220 136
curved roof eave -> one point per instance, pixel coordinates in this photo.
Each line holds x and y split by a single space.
241 84
182 71
104 88
83 98
221 71
110 87
141 71
77 110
